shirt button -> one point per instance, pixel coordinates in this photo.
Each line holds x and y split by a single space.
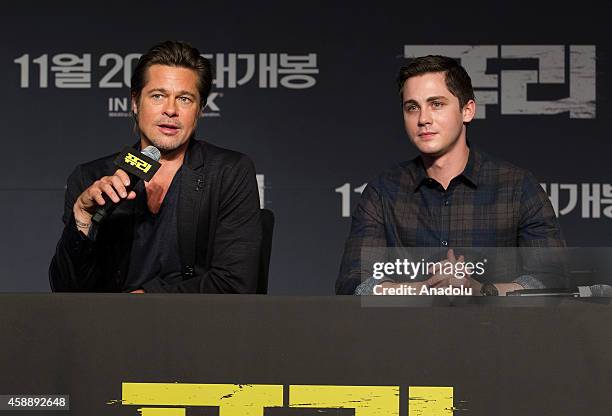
444 242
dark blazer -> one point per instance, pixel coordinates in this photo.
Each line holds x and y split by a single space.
219 229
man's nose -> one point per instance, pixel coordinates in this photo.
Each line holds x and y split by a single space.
170 108
424 117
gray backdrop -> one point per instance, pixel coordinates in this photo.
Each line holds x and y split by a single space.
308 92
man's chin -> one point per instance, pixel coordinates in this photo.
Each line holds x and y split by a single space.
432 152
166 147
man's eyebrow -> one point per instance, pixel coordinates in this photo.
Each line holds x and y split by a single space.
437 98
429 99
165 91
162 90
185 92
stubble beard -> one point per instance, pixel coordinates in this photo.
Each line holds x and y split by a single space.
165 147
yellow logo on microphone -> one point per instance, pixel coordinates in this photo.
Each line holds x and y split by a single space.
137 162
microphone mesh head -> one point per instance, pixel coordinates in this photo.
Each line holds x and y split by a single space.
152 152
602 291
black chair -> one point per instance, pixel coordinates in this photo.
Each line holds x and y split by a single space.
267 225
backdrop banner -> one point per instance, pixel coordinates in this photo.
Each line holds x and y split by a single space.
309 93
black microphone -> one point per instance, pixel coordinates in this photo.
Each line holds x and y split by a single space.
138 166
594 291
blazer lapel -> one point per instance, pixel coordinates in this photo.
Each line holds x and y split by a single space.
190 199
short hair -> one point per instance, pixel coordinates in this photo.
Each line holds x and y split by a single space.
177 54
456 77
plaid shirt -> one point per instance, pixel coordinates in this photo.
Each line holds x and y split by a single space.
491 204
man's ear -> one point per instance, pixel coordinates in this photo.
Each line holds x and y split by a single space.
134 105
469 111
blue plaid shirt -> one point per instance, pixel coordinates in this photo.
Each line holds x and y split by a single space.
491 204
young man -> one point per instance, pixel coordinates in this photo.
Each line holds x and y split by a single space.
194 227
451 195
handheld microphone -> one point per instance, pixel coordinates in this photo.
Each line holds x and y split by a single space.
138 166
594 291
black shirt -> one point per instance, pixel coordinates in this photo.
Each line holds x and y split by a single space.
155 251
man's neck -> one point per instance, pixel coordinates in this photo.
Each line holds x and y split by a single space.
171 161
157 187
449 165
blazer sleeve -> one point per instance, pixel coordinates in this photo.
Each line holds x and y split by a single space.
74 266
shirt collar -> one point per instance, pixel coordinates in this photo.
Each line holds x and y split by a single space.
470 172
472 168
